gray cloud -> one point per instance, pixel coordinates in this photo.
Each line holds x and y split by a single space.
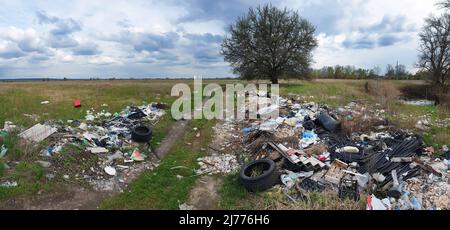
389 40
43 18
385 33
205 47
10 52
360 43
61 35
62 42
147 41
161 58
37 58
207 55
221 10
28 46
86 50
390 24
154 42
206 38
62 26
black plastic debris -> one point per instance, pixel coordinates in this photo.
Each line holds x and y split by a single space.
309 125
381 162
328 122
348 157
348 189
136 114
310 185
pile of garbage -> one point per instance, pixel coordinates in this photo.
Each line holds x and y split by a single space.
351 150
217 164
114 141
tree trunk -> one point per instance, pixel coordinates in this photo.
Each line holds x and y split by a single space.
274 79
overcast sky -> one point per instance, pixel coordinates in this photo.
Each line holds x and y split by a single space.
175 38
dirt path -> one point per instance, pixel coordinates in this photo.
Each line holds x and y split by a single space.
205 196
176 132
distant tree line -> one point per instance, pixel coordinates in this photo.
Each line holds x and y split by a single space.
397 72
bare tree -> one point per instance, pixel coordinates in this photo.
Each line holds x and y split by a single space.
435 49
445 4
376 71
269 43
390 71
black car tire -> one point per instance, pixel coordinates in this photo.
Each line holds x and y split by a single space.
260 183
141 134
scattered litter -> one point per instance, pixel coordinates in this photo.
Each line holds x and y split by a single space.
33 117
309 138
9 184
348 149
289 179
123 166
418 102
423 123
98 150
185 206
217 164
246 130
309 185
38 132
373 203
328 122
44 164
110 170
77 103
336 172
269 125
348 189
3 151
137 155
9 126
89 117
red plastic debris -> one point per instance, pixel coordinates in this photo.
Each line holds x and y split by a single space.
322 158
77 103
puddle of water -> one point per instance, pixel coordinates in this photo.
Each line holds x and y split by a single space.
418 102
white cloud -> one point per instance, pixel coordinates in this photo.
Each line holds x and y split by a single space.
203 27
103 60
62 56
